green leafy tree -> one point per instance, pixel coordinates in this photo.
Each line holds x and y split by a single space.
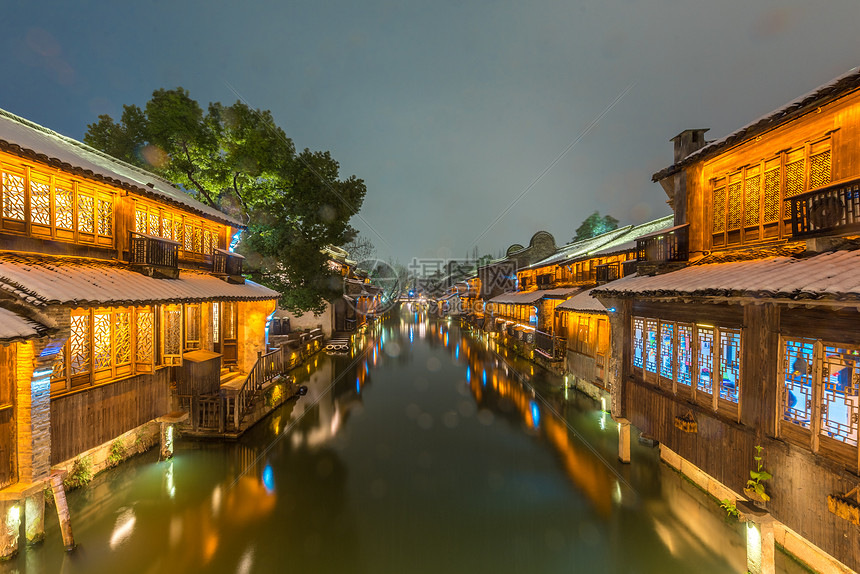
594 225
237 159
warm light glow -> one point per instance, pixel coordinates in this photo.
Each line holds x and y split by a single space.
753 547
123 528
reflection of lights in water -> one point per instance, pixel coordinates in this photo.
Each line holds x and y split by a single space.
123 528
357 385
484 378
535 414
602 420
616 493
246 561
171 486
269 478
468 375
216 500
366 368
603 404
457 352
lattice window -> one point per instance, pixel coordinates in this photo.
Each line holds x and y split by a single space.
187 236
229 319
793 181
733 216
40 203
79 344
63 209
102 351
207 242
730 364
198 240
839 398
122 337
720 208
685 354
154 228
651 345
666 351
638 332
705 356
59 370
13 196
797 361
105 217
172 330
144 339
86 217
216 323
192 326
167 227
177 229
140 221
819 169
752 197
771 194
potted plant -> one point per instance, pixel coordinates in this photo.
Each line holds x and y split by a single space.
755 485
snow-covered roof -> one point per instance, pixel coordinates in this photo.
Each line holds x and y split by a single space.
15 327
527 297
23 137
821 95
615 241
77 281
583 302
832 276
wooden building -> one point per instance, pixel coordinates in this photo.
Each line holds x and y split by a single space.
741 327
111 280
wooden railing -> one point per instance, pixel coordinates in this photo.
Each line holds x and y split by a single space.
266 368
834 209
629 267
548 345
669 245
226 263
151 250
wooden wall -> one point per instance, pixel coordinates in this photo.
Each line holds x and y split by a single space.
87 419
8 450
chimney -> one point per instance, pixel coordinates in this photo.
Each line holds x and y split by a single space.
688 141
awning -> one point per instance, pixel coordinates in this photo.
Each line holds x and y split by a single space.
77 281
583 303
528 297
15 327
832 276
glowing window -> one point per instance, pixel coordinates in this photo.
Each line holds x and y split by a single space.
797 360
13 196
730 361
666 338
839 397
651 345
685 354
705 356
638 331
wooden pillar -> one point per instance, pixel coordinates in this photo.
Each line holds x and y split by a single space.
62 510
166 432
623 440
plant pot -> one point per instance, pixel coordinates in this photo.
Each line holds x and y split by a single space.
754 497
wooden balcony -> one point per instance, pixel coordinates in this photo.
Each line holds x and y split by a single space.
549 346
153 255
831 210
664 246
228 264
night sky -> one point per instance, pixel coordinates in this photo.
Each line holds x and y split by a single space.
448 110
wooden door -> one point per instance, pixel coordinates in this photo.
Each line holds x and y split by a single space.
229 328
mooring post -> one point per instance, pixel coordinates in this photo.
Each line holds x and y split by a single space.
623 440
34 516
59 491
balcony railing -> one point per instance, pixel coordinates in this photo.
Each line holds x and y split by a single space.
834 209
628 267
608 272
549 346
226 263
151 250
664 246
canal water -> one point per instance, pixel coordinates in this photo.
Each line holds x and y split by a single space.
427 450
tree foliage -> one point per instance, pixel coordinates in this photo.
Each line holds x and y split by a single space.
235 158
594 225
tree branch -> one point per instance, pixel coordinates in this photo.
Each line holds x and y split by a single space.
239 195
191 177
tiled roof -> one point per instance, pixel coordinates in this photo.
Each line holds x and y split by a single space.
583 302
748 254
25 138
526 297
833 275
76 281
14 327
813 100
615 241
